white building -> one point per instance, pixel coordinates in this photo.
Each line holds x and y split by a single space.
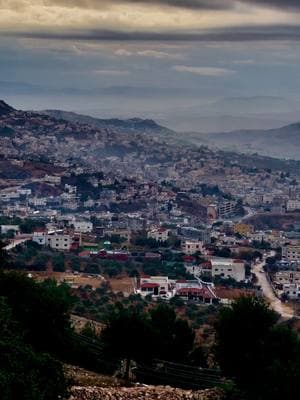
59 241
292 291
82 226
54 239
160 286
190 247
228 268
293 205
39 237
159 234
287 277
52 179
291 253
24 192
38 201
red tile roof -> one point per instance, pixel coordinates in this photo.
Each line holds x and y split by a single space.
206 265
149 285
188 258
196 292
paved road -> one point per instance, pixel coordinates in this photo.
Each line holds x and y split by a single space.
14 243
283 309
249 213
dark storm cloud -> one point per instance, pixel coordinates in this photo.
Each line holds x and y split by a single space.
193 4
188 4
220 4
275 3
236 34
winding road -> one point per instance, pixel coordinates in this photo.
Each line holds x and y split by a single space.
285 310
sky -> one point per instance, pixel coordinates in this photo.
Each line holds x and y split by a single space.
173 60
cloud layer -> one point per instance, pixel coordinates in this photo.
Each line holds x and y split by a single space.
203 71
155 20
234 34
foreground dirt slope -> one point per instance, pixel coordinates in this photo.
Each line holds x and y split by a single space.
141 393
91 386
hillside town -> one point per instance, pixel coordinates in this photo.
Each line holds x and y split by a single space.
204 218
149 200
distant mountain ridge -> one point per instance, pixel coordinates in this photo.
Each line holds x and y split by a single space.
5 108
136 125
39 138
282 142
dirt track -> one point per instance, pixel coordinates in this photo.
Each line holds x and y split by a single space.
284 310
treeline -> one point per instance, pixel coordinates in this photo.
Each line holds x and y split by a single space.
258 354
34 330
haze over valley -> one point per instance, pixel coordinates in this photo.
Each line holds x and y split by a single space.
149 199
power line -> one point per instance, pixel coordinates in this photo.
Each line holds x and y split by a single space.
180 374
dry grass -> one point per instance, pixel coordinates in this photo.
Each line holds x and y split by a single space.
124 284
73 279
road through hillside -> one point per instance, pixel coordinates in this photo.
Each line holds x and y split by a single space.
283 309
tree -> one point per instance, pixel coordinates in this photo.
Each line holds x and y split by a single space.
127 336
58 262
28 225
24 373
40 262
131 334
174 338
223 252
41 309
261 356
92 268
75 264
3 256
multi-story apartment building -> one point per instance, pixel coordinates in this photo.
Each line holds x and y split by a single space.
159 234
292 291
190 247
228 268
59 241
56 239
226 208
291 253
190 232
82 226
287 277
293 205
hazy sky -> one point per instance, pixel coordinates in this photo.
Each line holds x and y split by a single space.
56 50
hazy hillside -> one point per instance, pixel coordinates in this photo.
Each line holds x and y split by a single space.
251 105
136 125
231 114
281 143
5 108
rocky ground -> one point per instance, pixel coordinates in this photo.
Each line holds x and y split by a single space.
91 386
142 393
